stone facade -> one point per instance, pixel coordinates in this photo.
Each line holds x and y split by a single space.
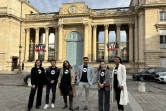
141 22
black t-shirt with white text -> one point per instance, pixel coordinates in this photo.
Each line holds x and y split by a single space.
84 74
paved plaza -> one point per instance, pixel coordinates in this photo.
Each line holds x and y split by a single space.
14 96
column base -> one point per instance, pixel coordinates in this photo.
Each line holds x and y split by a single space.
141 65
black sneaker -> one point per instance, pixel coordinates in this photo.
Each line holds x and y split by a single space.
37 107
85 108
28 110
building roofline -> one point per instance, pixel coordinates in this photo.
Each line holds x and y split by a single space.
73 2
28 3
111 8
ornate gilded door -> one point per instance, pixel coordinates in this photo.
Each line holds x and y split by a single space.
74 49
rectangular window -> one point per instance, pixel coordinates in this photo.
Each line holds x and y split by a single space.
51 51
162 16
162 41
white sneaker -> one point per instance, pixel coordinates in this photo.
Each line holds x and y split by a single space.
46 106
52 105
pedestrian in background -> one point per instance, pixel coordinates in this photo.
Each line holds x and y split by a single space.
103 80
22 65
119 90
37 81
52 74
66 84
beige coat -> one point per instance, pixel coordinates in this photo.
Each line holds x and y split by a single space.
72 72
121 76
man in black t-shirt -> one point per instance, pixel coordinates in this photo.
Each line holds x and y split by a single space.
52 74
85 77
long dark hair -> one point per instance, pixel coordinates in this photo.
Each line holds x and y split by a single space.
120 60
100 66
69 66
40 63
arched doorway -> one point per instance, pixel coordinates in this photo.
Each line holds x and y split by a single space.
74 44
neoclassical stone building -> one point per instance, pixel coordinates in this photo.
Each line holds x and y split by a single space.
77 31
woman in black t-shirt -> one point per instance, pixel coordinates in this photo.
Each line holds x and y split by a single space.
103 79
37 81
66 84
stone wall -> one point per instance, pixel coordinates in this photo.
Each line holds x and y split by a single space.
152 59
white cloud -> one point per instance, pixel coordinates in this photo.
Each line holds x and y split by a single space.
54 5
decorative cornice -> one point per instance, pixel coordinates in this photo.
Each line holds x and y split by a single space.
10 16
151 6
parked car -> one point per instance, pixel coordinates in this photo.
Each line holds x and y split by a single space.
157 75
147 74
161 76
162 79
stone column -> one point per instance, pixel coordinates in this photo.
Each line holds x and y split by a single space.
141 38
46 43
90 43
118 37
27 44
131 42
105 43
60 38
56 42
36 41
94 43
86 40
136 41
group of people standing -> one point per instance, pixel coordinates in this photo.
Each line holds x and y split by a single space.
65 78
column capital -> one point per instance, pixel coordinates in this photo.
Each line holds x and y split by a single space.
27 29
36 28
131 25
106 26
86 24
94 26
46 28
60 25
118 25
56 27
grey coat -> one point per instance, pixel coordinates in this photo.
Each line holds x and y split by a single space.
107 79
90 74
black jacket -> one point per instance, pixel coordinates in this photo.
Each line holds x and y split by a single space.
48 75
35 76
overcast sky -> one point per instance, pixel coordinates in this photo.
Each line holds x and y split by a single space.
54 5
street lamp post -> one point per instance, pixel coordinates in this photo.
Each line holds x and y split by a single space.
20 47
